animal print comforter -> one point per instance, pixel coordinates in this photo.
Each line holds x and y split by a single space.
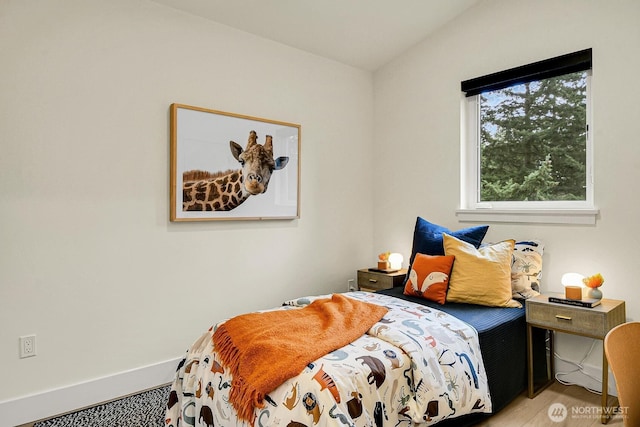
417 365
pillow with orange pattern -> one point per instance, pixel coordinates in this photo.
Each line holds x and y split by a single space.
429 277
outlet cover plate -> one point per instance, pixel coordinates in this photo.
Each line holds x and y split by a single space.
27 346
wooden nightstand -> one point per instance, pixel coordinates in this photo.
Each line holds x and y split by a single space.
587 322
371 281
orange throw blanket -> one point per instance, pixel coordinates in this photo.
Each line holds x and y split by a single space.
263 350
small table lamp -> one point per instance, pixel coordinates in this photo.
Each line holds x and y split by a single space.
572 283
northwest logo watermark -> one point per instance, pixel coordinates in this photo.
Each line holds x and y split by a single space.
558 412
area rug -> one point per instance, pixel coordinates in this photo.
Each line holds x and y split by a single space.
145 409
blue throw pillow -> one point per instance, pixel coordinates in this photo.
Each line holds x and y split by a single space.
427 237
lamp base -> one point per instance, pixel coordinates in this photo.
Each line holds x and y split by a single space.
573 292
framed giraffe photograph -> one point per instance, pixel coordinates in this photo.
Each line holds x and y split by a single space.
227 166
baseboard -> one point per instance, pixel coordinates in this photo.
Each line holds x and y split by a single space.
50 403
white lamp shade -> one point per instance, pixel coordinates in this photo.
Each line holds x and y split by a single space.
572 279
395 261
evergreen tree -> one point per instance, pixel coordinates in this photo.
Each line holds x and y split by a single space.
533 141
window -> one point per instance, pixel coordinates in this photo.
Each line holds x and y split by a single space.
527 154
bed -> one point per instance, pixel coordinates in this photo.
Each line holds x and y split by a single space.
418 362
368 382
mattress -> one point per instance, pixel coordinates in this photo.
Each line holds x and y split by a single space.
502 333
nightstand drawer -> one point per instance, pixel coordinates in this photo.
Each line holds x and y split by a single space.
567 319
594 322
373 281
367 279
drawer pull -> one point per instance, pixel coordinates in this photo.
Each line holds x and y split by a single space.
560 317
373 281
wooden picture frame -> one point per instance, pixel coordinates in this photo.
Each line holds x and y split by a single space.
227 166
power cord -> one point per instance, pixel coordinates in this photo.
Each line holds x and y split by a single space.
579 368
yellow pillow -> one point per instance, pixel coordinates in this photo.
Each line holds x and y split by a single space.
480 276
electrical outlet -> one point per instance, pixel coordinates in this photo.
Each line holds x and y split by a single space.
27 346
351 285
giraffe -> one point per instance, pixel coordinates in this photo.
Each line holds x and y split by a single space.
224 191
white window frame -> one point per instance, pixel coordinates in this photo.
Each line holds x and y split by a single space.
551 212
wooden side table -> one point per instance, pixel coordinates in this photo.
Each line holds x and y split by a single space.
371 281
587 322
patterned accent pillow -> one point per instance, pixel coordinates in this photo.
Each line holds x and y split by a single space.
429 277
480 276
526 269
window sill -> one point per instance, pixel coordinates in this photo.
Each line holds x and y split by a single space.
535 216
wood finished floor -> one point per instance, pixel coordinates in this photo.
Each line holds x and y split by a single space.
525 412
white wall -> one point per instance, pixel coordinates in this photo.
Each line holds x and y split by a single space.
417 121
88 258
